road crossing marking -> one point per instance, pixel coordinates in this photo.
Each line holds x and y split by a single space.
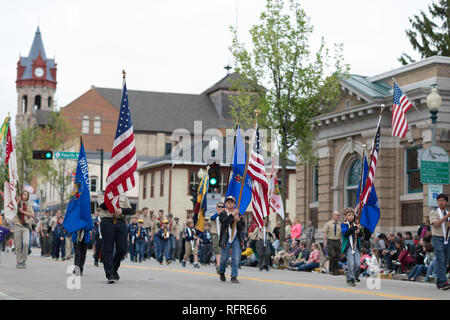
288 283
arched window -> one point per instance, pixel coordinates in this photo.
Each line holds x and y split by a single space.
37 102
352 179
24 104
85 125
97 125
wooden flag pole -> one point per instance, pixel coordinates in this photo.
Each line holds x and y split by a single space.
257 113
361 182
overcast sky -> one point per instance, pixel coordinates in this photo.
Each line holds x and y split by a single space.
180 45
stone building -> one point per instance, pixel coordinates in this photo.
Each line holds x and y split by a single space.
332 183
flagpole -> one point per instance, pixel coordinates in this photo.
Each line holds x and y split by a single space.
404 92
361 179
257 113
371 158
232 157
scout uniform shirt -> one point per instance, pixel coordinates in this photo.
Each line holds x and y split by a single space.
176 230
123 203
258 234
147 221
332 230
436 215
26 221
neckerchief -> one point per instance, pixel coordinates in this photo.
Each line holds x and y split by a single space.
444 225
350 238
190 235
265 237
231 230
139 232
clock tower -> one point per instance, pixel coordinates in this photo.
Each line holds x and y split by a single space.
36 84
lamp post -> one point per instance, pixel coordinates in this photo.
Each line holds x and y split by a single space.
213 146
434 102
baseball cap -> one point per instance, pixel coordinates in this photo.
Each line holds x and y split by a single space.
231 198
166 221
141 221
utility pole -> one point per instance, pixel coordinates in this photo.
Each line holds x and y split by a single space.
101 168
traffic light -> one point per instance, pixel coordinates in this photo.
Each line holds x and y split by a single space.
214 174
42 154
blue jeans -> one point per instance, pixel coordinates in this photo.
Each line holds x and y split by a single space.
140 249
431 269
157 245
132 250
417 271
308 266
165 248
442 252
353 264
171 246
236 250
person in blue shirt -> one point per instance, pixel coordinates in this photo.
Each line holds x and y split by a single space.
3 233
351 245
164 235
206 240
60 240
131 231
140 238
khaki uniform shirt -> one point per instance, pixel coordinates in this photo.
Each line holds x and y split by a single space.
176 230
53 222
147 220
123 203
28 219
328 230
258 234
434 216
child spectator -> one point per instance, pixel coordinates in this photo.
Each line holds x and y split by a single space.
131 231
139 239
206 239
60 240
365 258
313 261
191 245
421 268
404 256
3 232
164 234
351 245
374 263
409 242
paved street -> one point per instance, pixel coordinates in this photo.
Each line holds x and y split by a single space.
46 279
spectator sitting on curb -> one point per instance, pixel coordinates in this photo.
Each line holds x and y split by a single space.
409 242
373 263
421 268
389 252
285 258
404 258
313 261
365 257
302 257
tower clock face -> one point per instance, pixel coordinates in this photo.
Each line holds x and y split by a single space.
39 72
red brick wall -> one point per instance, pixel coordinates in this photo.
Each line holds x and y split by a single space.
93 104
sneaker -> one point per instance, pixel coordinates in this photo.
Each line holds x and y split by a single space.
357 279
96 263
397 263
19 266
196 266
234 280
444 286
116 276
217 270
111 281
168 262
183 264
351 283
222 277
160 263
267 269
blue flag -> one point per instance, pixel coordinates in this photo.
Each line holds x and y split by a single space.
371 211
78 214
234 186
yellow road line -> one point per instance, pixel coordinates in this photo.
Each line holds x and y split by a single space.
288 283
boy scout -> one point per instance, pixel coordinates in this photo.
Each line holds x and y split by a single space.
332 241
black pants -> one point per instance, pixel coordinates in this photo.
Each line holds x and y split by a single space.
263 253
181 257
334 252
98 247
113 234
80 254
206 253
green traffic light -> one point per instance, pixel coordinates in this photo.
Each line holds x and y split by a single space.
48 155
213 181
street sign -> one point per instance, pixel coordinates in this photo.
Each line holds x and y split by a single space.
434 166
65 155
433 191
212 199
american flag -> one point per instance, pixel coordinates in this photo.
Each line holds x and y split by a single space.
122 172
260 185
373 166
400 105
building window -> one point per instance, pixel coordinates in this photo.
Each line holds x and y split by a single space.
85 125
223 183
49 102
194 181
352 180
24 104
93 184
412 214
161 190
347 104
37 102
152 185
168 148
413 156
144 182
97 125
315 188
314 217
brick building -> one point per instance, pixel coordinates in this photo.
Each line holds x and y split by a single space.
341 133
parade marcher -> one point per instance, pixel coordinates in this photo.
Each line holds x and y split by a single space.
22 226
191 243
171 245
45 234
263 238
80 240
163 235
139 239
69 246
439 220
132 245
60 240
206 240
114 236
156 225
53 224
215 232
97 237
351 245
230 238
147 225
332 242
176 233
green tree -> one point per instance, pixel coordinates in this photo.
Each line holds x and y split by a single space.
57 135
430 36
25 142
283 78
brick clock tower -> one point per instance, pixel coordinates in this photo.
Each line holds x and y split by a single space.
36 84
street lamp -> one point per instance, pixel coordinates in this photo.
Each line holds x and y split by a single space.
434 102
213 146
201 174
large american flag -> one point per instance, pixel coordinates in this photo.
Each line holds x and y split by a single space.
373 166
122 172
400 105
260 184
